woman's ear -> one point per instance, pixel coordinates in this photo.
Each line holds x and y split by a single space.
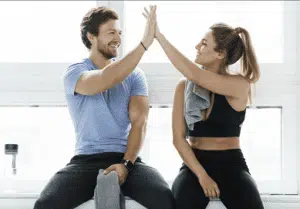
221 54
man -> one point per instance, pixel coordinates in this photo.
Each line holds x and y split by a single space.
108 104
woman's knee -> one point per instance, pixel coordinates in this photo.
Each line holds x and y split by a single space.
192 201
188 193
242 192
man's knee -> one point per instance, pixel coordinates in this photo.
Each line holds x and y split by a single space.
164 199
46 203
42 204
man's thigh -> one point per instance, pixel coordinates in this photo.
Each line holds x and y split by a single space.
68 188
146 185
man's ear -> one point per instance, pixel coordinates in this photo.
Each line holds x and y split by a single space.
90 37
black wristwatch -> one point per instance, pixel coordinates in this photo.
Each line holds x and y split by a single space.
127 164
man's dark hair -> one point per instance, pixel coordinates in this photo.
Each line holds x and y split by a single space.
93 19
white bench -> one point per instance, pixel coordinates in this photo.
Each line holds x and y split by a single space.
90 205
269 201
129 203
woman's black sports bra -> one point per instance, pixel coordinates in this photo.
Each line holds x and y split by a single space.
223 121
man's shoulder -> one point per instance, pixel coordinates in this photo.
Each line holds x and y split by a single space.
77 66
136 73
138 70
82 63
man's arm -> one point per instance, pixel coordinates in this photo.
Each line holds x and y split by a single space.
97 81
138 109
138 114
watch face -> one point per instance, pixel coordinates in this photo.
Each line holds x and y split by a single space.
128 164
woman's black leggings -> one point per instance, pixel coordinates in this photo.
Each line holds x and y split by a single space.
229 170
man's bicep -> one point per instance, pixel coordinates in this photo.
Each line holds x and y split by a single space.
139 84
138 109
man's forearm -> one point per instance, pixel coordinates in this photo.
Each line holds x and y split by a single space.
135 141
119 70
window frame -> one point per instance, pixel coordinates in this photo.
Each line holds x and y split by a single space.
39 84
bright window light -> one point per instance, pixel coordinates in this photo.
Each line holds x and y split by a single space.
46 142
184 24
261 143
42 31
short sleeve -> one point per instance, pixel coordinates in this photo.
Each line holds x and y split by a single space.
71 77
139 86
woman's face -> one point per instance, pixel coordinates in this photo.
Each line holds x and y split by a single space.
206 55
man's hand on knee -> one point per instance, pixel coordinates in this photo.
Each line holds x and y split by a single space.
121 171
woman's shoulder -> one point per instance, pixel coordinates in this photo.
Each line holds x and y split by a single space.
182 81
180 87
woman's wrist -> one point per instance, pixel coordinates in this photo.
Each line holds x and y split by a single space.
159 37
200 173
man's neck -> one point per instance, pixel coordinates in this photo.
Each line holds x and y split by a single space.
99 60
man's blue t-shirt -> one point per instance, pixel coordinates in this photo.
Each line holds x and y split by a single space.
101 121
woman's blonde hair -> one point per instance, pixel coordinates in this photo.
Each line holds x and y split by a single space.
236 43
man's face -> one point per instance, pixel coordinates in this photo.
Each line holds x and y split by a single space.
109 39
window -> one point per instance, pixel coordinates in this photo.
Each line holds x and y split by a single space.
260 143
46 142
184 23
42 31
32 78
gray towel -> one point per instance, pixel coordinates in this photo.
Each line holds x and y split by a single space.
108 194
196 99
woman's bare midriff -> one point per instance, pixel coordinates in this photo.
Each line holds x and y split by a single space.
214 143
218 143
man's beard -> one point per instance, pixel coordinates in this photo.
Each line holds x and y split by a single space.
105 53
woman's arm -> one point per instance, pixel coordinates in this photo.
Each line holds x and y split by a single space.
209 186
228 85
179 132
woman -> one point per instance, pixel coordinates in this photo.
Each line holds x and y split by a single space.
214 165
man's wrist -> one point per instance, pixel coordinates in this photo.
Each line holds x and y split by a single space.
128 164
146 43
143 45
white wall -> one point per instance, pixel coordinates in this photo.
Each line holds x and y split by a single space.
298 92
